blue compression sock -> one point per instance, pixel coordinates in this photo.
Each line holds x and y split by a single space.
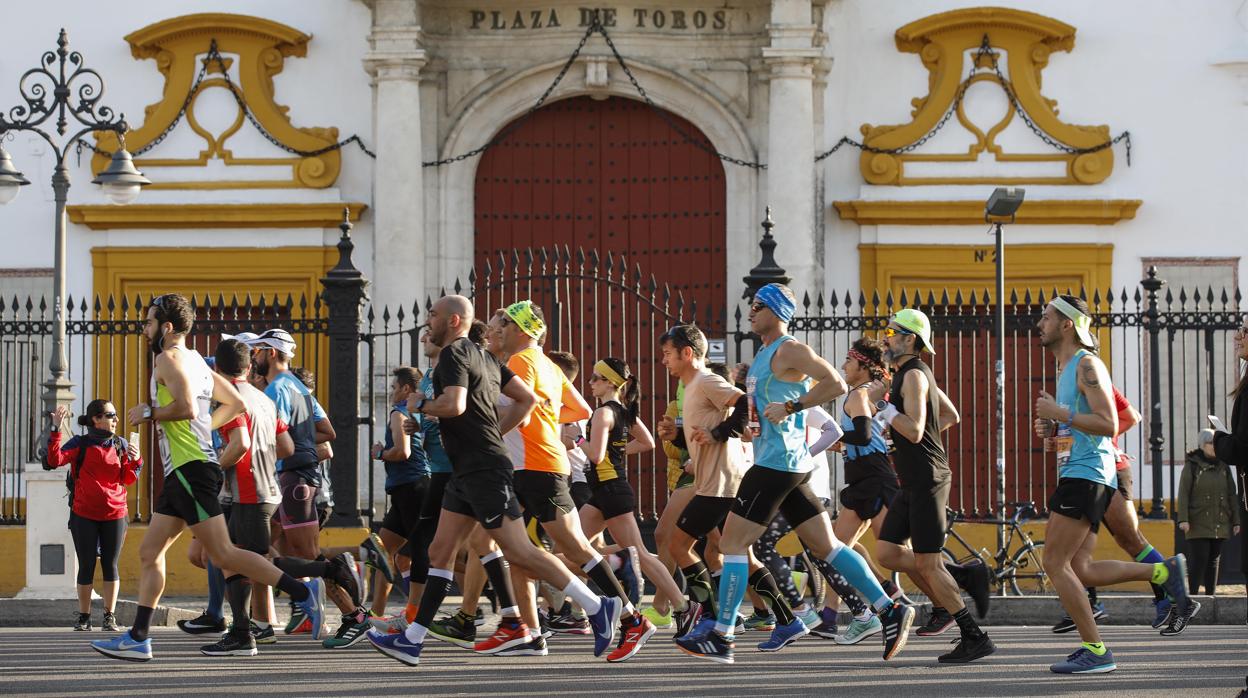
858 573
731 592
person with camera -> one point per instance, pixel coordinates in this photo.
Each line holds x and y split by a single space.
101 465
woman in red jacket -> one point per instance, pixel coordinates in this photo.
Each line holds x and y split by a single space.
102 464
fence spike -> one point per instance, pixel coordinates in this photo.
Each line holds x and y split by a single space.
904 302
819 303
543 257
653 287
974 303
1209 297
875 300
1237 297
43 306
834 300
385 317
944 298
680 305
95 305
1083 293
442 292
957 298
488 270
289 307
806 302
428 303
594 259
1182 298
459 290
1225 298
371 315
401 316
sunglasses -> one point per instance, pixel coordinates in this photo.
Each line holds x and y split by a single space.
758 305
107 415
894 331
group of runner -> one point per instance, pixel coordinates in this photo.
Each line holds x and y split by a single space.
497 465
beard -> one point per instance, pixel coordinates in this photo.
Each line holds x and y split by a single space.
260 367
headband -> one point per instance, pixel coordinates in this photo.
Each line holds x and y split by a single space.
1083 322
602 369
522 314
776 301
862 358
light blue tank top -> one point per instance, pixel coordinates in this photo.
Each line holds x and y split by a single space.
778 446
877 444
1091 457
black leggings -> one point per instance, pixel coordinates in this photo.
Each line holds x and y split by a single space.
1202 563
92 537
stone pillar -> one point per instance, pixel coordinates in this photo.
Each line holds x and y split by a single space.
791 61
51 566
394 63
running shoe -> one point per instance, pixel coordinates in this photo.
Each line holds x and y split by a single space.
479 619
708 645
533 648
859 630
634 632
348 634
84 622
809 616
373 553
262 636
298 623
1180 619
938 621
1176 584
110 623
396 647
543 622
511 632
896 621
764 622
344 573
1066 624
604 623
459 630
1099 612
1163 609
1084 661
968 650
978 586
573 625
389 624
125 647
314 606
202 625
739 628
231 644
826 628
687 620
784 635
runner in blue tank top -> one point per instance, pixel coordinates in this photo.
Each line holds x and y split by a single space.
779 387
1080 422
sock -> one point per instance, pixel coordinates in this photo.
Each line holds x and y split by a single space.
1160 573
216 592
864 617
405 582
142 622
298 567
967 624
1092 595
890 588
733 579
856 570
607 581
763 583
842 587
583 596
410 610
238 591
260 623
1097 648
295 589
498 572
698 583
1150 554
436 588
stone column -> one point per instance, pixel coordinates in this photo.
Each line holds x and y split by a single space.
394 63
790 192
51 565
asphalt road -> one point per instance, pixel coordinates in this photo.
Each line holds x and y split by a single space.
1204 661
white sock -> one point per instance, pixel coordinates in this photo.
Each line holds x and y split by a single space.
583 596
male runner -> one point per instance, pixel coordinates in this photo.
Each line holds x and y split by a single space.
1082 422
466 387
182 391
779 388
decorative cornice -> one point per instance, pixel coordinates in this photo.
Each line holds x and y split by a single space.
1050 212
179 216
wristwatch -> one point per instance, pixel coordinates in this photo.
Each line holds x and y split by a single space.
793 406
881 404
147 411
580 439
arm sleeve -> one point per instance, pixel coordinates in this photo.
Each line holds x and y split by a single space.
720 392
734 425
860 435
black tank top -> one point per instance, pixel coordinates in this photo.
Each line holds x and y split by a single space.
613 463
924 463
867 465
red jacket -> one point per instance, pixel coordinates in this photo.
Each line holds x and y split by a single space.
100 487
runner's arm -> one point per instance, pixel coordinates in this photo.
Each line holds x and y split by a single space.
402 448
229 403
948 412
858 407
514 414
285 445
1098 391
574 408
237 444
909 424
797 357
642 441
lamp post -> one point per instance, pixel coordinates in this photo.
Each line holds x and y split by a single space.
59 88
1002 205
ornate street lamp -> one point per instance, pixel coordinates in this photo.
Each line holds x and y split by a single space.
59 88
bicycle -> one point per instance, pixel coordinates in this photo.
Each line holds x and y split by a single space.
1021 567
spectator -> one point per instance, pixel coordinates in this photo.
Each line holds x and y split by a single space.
1208 512
1232 448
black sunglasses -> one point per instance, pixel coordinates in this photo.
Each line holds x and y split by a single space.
107 415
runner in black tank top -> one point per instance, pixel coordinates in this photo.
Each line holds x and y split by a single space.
612 465
919 465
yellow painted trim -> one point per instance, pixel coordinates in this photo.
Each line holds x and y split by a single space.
1051 212
137 273
261 47
942 42
167 216
13 552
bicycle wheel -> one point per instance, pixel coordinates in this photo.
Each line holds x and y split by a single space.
1026 573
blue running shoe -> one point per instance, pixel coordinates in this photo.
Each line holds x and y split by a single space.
1176 583
1164 609
397 647
125 647
604 623
704 626
710 645
1083 661
784 635
314 606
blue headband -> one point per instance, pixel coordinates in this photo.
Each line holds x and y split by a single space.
776 301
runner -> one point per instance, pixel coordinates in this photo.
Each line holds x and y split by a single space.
466 387
1081 423
182 390
779 387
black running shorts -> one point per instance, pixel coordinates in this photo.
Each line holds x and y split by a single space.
703 514
1081 499
581 493
406 504
868 496
249 526
544 496
764 491
190 492
918 515
485 495
614 498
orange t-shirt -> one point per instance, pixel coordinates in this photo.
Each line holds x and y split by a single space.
542 447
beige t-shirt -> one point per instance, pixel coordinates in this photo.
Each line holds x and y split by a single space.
718 467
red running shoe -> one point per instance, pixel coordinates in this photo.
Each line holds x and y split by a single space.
511 633
633 636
